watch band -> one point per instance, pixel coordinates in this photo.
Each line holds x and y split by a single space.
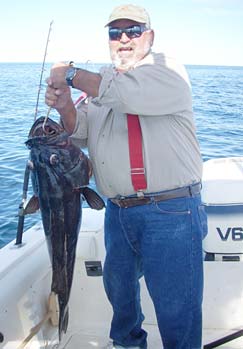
70 74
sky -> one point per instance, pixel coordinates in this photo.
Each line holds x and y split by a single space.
204 32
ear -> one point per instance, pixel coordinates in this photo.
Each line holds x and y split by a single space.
151 37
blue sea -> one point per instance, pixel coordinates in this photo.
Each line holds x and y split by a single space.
218 107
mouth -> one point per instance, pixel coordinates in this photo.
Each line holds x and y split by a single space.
125 50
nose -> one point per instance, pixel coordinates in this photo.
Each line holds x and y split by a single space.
124 38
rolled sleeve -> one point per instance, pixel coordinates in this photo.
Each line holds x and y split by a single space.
158 86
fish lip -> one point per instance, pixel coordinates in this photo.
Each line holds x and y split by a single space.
37 128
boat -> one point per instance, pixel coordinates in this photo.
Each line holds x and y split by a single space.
28 315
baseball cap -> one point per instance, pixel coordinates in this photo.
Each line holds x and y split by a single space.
129 11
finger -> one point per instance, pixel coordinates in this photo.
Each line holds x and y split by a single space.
49 81
50 98
60 91
49 102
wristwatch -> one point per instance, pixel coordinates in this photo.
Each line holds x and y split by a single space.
70 74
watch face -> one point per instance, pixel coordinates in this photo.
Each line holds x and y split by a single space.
70 73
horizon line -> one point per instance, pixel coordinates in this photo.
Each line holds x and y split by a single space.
105 63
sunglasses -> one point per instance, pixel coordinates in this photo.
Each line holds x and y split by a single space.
132 32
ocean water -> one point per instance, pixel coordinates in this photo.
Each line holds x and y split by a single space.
218 107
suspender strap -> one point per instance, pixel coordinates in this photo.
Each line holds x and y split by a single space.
81 98
136 152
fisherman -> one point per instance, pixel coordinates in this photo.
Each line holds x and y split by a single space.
139 129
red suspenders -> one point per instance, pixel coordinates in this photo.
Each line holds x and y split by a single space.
136 152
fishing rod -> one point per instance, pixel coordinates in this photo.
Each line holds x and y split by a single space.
42 70
21 212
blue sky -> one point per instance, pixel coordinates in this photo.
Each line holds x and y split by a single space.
195 31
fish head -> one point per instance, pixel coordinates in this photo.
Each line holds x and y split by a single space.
56 161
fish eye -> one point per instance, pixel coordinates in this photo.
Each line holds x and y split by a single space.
54 160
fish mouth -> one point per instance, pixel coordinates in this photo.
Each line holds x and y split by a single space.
51 128
51 133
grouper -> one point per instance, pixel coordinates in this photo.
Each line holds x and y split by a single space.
60 173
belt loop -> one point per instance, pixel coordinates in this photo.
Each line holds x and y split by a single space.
140 194
190 190
195 189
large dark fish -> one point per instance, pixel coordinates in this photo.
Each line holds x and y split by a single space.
60 178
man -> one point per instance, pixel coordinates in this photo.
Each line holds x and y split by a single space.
154 221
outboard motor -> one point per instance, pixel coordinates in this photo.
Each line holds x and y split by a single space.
222 195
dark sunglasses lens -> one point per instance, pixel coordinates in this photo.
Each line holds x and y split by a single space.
115 33
134 32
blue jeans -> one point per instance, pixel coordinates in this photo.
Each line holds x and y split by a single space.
163 242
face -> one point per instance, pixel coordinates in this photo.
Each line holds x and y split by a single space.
126 52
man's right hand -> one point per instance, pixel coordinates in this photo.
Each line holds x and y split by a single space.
57 98
61 100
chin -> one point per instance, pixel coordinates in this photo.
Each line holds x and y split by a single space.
123 64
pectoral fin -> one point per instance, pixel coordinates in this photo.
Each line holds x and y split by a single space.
93 199
32 205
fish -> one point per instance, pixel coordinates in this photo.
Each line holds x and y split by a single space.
60 174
